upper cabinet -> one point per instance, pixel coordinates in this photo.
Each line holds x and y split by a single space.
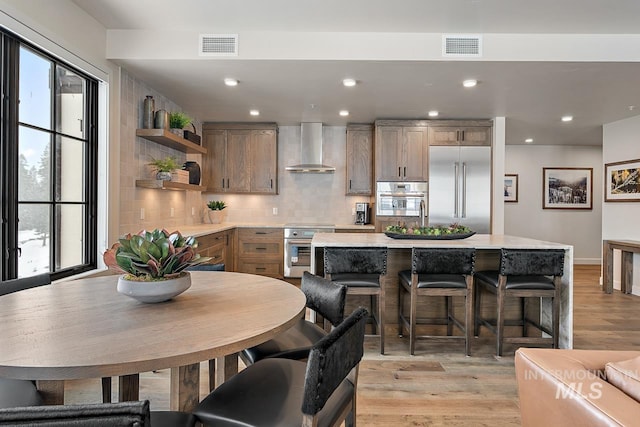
359 160
449 132
241 158
401 151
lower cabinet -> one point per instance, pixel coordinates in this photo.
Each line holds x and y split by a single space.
260 251
218 246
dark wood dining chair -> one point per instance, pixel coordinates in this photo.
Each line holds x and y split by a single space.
20 392
523 273
323 297
437 272
285 392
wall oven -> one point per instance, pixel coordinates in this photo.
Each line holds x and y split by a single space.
297 246
401 198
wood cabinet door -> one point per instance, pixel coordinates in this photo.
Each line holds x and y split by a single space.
359 161
238 163
415 166
475 136
264 162
443 135
389 153
213 163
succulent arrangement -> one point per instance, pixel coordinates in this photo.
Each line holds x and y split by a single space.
178 120
440 230
216 205
153 255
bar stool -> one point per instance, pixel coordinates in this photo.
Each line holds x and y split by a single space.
437 272
524 273
361 271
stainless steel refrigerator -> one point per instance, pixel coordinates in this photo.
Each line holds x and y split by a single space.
460 186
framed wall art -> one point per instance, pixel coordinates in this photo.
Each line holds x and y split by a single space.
622 181
511 188
567 188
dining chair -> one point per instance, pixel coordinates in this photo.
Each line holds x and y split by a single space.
437 272
362 271
20 392
523 273
121 414
325 298
287 392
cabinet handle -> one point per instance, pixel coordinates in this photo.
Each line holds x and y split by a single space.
349 184
261 232
457 135
399 171
271 183
261 249
260 268
462 135
227 182
405 172
222 182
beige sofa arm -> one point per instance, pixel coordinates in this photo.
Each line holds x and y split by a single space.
568 388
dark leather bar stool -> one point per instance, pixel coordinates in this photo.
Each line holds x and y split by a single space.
361 270
325 298
437 272
523 273
285 392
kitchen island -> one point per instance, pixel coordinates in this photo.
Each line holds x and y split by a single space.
487 257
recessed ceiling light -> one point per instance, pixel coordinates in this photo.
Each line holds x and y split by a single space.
349 82
433 113
528 140
344 113
254 112
567 118
231 82
631 107
469 83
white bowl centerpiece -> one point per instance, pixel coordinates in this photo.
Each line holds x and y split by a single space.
153 263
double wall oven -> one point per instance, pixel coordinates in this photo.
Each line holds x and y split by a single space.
297 246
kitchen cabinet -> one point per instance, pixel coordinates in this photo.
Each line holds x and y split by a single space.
359 160
242 158
218 246
401 152
260 251
460 133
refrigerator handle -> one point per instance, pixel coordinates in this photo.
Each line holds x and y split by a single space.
464 190
456 192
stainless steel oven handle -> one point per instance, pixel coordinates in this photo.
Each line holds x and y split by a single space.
297 242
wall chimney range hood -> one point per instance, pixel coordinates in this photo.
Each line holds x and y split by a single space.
311 150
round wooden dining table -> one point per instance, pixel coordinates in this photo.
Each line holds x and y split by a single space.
86 329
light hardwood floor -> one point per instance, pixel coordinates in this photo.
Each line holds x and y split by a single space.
439 386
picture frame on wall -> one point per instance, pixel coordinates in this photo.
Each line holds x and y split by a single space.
511 187
567 188
622 181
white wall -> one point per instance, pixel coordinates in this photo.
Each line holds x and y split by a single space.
580 228
620 220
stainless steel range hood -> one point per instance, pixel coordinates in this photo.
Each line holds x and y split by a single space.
311 151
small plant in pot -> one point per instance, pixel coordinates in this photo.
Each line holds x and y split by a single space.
215 211
164 167
177 121
153 264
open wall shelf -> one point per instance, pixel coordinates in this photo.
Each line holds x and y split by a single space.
171 140
168 185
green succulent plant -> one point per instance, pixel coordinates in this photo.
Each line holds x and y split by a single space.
216 205
153 255
178 120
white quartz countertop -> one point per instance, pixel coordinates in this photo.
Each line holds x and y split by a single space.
478 241
203 229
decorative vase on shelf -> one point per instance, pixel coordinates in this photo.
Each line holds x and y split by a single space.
154 291
194 172
179 132
161 120
163 176
147 114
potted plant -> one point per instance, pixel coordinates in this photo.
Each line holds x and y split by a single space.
164 167
215 211
153 264
177 121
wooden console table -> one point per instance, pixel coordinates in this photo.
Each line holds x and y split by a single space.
627 247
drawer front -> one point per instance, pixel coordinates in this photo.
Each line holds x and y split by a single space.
274 234
217 254
273 269
269 249
209 240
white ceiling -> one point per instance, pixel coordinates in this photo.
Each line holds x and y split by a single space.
532 95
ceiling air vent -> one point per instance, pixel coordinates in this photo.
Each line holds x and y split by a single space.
218 45
462 45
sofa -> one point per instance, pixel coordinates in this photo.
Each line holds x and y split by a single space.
578 387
